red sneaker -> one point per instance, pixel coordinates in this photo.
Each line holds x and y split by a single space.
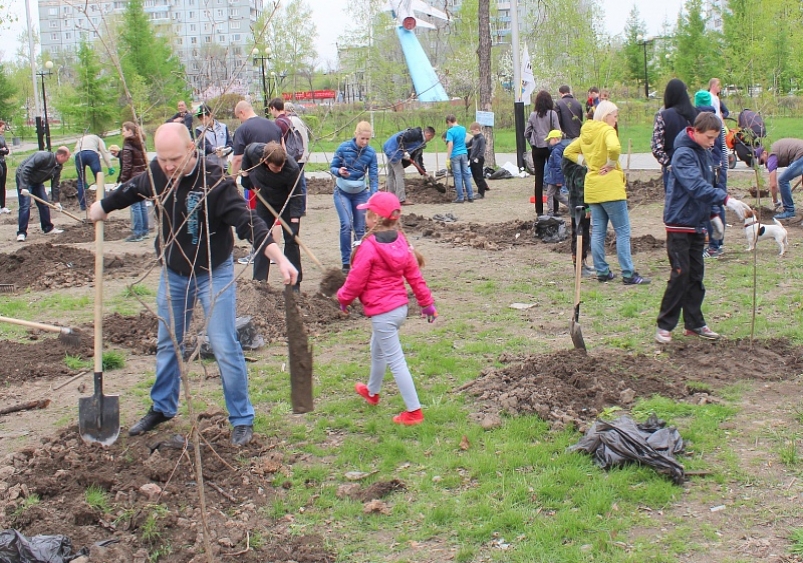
409 418
362 390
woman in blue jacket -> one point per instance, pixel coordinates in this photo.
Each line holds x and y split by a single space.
354 160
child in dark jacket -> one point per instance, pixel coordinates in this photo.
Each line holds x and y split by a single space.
691 192
379 266
553 176
476 158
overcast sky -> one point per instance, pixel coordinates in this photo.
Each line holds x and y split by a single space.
330 18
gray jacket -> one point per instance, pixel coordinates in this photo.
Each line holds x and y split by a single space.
539 127
3 148
38 168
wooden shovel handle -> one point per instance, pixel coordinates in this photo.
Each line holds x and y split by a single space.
50 205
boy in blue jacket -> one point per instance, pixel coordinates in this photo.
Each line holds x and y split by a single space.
691 192
553 175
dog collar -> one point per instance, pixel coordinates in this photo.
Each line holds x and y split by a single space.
750 224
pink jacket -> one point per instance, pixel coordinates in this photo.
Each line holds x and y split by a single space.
382 263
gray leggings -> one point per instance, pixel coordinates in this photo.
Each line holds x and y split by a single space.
386 351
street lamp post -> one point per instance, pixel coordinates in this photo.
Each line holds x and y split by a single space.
644 41
42 125
262 59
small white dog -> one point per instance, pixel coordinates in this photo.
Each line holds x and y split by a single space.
755 231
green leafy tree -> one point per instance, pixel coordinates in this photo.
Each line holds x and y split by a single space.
633 49
145 54
8 95
461 71
290 34
698 50
93 103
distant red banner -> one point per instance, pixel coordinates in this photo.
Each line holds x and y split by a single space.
310 95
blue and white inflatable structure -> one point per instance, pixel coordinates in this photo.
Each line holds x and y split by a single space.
428 87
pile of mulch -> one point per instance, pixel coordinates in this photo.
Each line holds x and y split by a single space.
574 388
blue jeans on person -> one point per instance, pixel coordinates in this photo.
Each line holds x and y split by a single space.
139 219
784 183
217 293
82 160
351 219
616 212
25 209
462 176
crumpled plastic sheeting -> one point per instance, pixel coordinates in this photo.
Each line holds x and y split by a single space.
623 441
16 548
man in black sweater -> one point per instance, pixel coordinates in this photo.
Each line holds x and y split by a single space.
196 214
276 180
32 173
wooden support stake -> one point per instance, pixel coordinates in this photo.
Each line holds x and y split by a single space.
300 355
30 405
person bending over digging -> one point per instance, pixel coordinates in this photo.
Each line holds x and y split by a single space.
691 192
195 245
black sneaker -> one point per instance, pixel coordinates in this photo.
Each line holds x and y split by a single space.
606 277
345 269
148 422
241 435
457 200
635 279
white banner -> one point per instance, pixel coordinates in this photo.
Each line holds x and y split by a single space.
527 78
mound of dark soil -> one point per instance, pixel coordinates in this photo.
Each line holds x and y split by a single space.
574 388
137 333
85 232
417 189
637 244
496 236
42 357
641 192
151 497
45 266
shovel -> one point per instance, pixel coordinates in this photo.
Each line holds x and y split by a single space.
428 179
99 415
574 328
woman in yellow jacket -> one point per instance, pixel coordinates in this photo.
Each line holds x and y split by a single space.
599 146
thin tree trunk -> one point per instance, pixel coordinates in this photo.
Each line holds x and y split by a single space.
486 84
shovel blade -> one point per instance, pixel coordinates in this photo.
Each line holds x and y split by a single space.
577 335
99 419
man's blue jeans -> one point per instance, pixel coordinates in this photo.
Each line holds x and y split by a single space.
462 176
351 219
217 296
616 212
25 209
139 219
784 183
82 160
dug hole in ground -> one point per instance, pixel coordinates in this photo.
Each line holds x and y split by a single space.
477 267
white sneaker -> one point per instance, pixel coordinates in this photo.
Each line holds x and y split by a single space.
4 210
54 231
20 238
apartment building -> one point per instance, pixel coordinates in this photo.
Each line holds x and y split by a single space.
210 37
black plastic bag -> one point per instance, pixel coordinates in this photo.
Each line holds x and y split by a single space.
16 548
246 335
623 441
501 174
550 229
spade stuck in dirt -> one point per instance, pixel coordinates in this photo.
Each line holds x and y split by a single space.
574 328
99 415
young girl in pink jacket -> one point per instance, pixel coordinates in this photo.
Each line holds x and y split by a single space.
379 267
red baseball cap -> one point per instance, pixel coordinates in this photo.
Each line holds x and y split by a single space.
384 204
